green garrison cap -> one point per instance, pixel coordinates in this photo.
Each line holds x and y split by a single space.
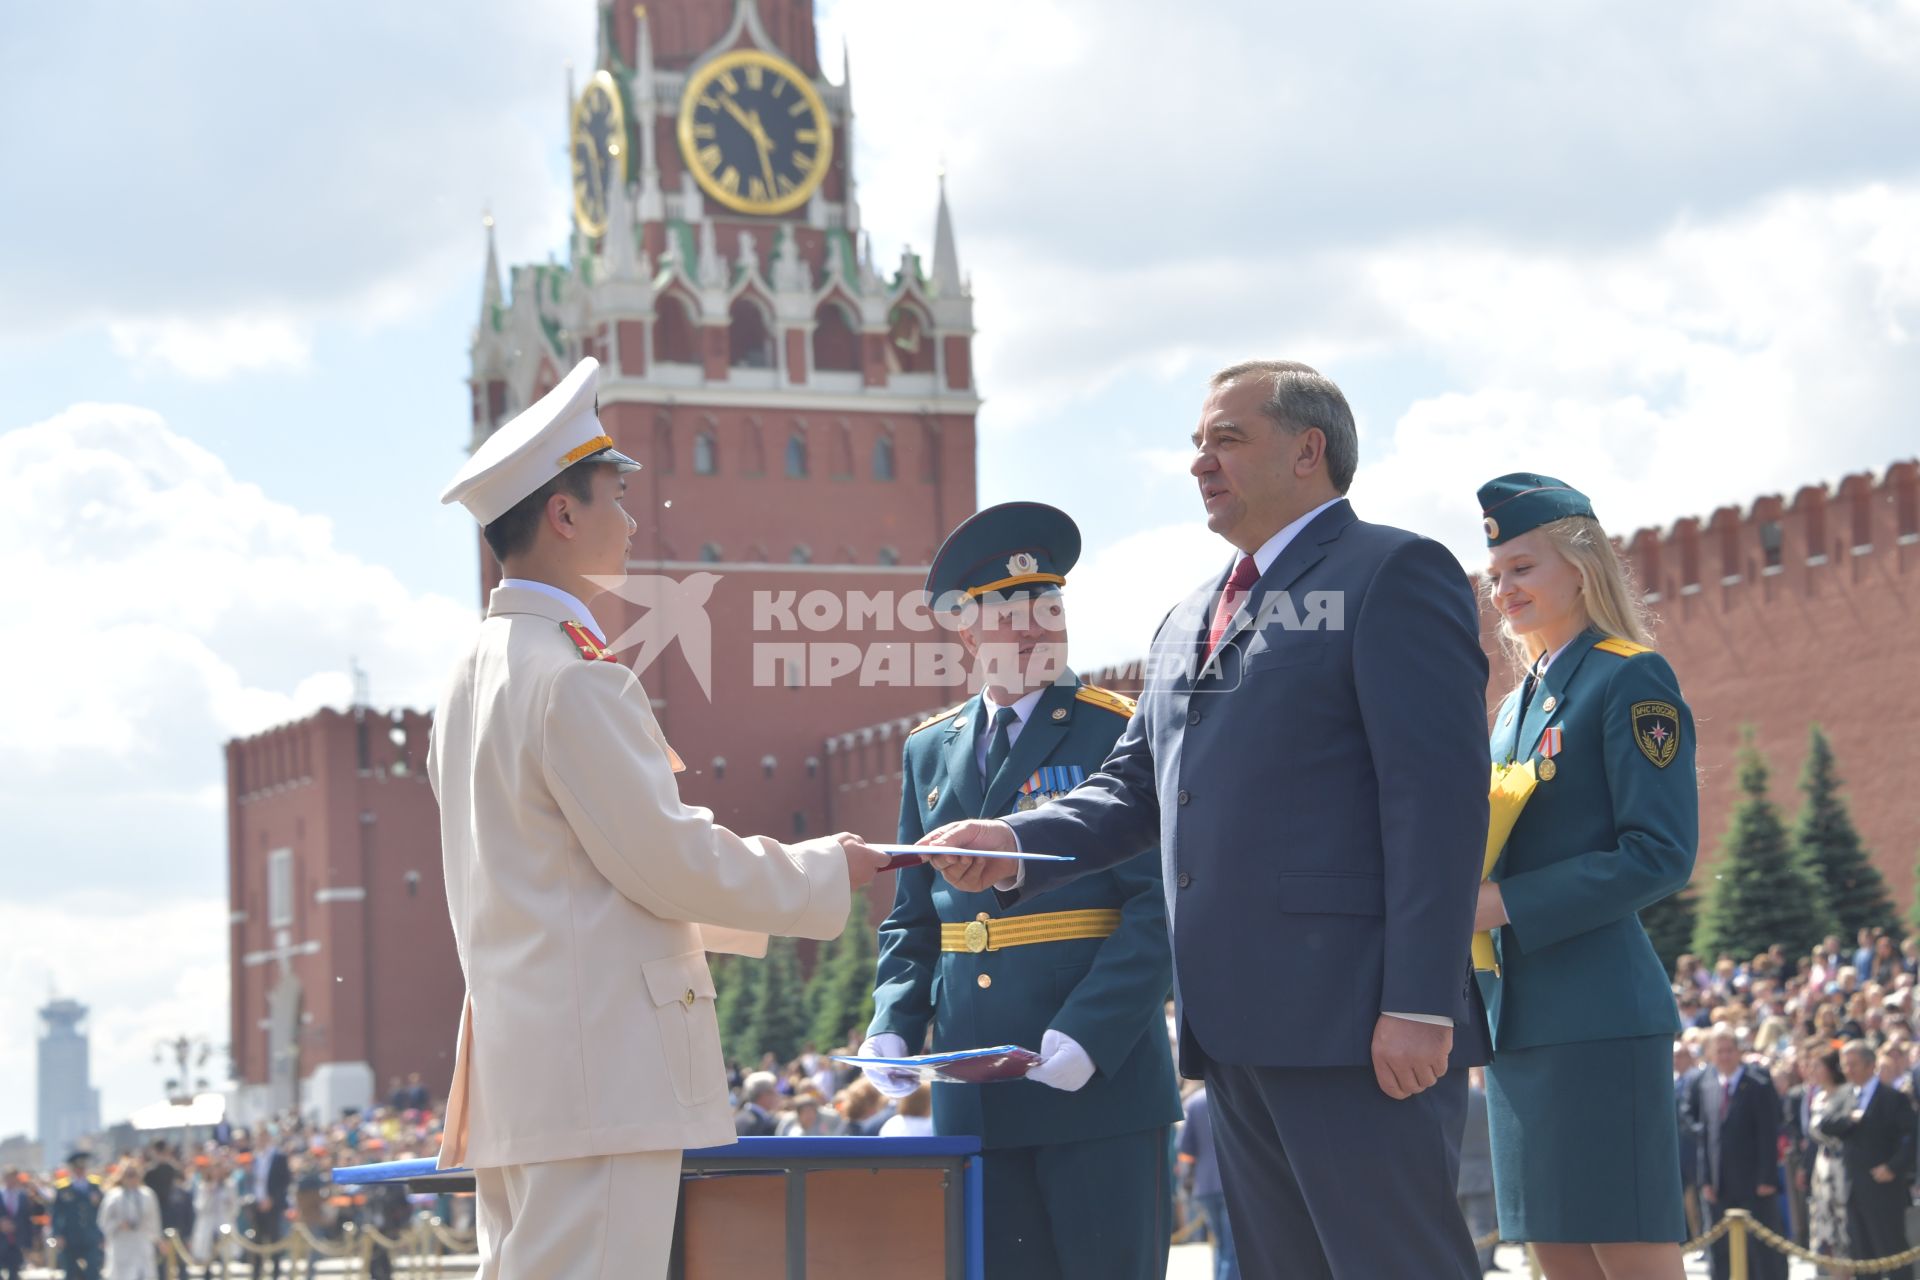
1012 549
1513 504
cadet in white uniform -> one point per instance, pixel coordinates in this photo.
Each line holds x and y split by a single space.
589 1054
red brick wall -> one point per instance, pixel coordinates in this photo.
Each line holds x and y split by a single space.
1833 642
383 985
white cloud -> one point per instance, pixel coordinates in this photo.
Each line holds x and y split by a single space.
1714 363
147 971
211 350
160 607
346 180
168 607
1122 590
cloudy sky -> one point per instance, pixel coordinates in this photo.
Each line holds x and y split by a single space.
1671 252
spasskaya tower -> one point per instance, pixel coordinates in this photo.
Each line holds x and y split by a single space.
805 420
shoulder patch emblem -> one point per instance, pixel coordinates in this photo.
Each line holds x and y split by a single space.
1105 699
1656 731
1621 648
583 640
930 721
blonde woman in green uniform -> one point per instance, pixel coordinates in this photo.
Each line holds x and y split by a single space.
1580 1092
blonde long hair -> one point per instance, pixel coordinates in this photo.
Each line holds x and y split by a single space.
1607 591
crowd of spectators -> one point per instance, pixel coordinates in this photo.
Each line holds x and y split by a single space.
1796 1086
261 1183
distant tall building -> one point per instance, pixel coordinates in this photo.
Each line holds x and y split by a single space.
69 1104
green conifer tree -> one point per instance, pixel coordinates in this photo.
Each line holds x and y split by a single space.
779 1019
1670 925
1761 895
736 983
1853 891
843 982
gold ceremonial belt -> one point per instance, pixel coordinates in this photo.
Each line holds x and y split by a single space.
989 934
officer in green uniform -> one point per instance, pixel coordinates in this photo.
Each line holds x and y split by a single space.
75 1220
1075 1179
1580 1091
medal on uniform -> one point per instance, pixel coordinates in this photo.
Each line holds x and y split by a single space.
1028 797
933 797
1549 748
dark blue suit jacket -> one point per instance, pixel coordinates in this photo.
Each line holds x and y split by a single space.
1319 796
1749 1155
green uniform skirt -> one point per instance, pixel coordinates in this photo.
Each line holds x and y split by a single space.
1586 1142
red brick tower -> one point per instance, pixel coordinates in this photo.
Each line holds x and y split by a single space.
343 971
805 423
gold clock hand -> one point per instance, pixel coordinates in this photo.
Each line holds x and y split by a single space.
733 109
765 144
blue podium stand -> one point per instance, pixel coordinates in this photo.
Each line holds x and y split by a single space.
792 1159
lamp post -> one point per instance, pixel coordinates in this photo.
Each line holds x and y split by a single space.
188 1056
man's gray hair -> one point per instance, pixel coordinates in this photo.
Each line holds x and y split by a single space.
1300 396
758 1083
1857 1049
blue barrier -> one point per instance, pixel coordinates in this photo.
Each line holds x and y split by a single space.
793 1158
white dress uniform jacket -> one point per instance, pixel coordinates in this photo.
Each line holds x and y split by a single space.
578 884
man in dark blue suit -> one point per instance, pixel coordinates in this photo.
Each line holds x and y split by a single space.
1877 1145
1310 756
1737 1113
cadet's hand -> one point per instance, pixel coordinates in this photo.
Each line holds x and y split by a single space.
893 1083
862 862
971 874
1409 1056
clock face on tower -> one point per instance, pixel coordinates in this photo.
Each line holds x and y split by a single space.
598 147
754 132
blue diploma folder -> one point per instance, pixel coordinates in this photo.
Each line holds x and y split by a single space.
964 1066
908 855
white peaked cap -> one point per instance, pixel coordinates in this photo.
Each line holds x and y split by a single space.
556 431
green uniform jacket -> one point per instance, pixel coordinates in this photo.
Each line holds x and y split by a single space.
1613 831
1109 993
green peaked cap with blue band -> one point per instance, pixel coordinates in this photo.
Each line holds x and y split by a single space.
1016 548
1510 505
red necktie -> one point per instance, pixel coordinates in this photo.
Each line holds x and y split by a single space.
1244 575
1726 1099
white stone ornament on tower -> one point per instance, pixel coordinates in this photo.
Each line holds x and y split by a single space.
946 257
652 206
713 268
490 297
790 271
618 260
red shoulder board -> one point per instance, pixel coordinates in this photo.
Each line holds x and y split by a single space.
583 640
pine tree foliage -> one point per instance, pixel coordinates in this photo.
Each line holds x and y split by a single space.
1761 895
1853 891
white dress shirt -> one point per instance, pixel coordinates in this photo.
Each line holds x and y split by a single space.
1270 549
581 614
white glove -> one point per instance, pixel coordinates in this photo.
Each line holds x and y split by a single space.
1063 1065
895 1084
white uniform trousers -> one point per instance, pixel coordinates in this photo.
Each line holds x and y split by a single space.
600 1218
